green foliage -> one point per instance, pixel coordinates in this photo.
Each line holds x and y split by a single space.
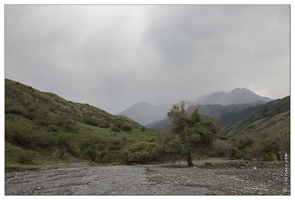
142 152
268 156
18 135
55 129
91 121
222 147
126 128
245 143
25 157
189 131
115 128
235 153
143 128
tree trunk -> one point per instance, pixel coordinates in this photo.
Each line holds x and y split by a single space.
189 160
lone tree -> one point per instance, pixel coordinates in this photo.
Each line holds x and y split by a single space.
189 131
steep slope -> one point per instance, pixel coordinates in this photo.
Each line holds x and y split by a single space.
268 128
221 110
145 113
236 96
28 102
261 116
42 127
235 116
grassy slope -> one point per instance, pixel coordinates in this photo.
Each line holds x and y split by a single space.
263 119
268 127
51 130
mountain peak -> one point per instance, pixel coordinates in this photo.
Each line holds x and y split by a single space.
145 113
236 96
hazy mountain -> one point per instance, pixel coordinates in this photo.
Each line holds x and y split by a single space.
145 113
158 125
232 117
221 110
153 116
236 96
228 113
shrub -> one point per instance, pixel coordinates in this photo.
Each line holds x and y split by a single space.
18 110
115 128
103 124
18 136
75 151
235 153
67 124
244 143
268 156
90 121
222 147
30 116
126 128
25 157
44 140
143 128
91 154
141 152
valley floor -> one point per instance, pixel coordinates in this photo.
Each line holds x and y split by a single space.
233 178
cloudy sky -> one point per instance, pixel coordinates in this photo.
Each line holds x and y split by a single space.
113 56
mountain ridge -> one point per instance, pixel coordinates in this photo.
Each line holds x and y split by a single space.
236 96
145 113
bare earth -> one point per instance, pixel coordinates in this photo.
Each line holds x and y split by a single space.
164 179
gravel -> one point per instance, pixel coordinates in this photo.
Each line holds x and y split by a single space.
164 179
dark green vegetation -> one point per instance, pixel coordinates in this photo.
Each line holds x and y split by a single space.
264 134
42 128
189 132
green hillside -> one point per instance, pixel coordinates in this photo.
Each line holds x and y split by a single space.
43 128
267 130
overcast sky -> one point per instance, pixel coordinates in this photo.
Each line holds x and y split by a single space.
113 56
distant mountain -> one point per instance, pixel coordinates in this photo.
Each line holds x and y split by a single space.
236 96
145 113
233 117
221 110
228 113
158 125
153 116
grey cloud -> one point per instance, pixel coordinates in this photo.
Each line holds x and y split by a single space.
112 56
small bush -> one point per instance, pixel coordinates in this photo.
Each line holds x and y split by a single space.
115 128
245 143
126 128
30 116
268 156
91 154
143 128
25 157
90 121
142 152
103 124
235 153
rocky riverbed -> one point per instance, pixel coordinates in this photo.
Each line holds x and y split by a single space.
234 178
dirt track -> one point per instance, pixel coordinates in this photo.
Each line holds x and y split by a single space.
145 180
